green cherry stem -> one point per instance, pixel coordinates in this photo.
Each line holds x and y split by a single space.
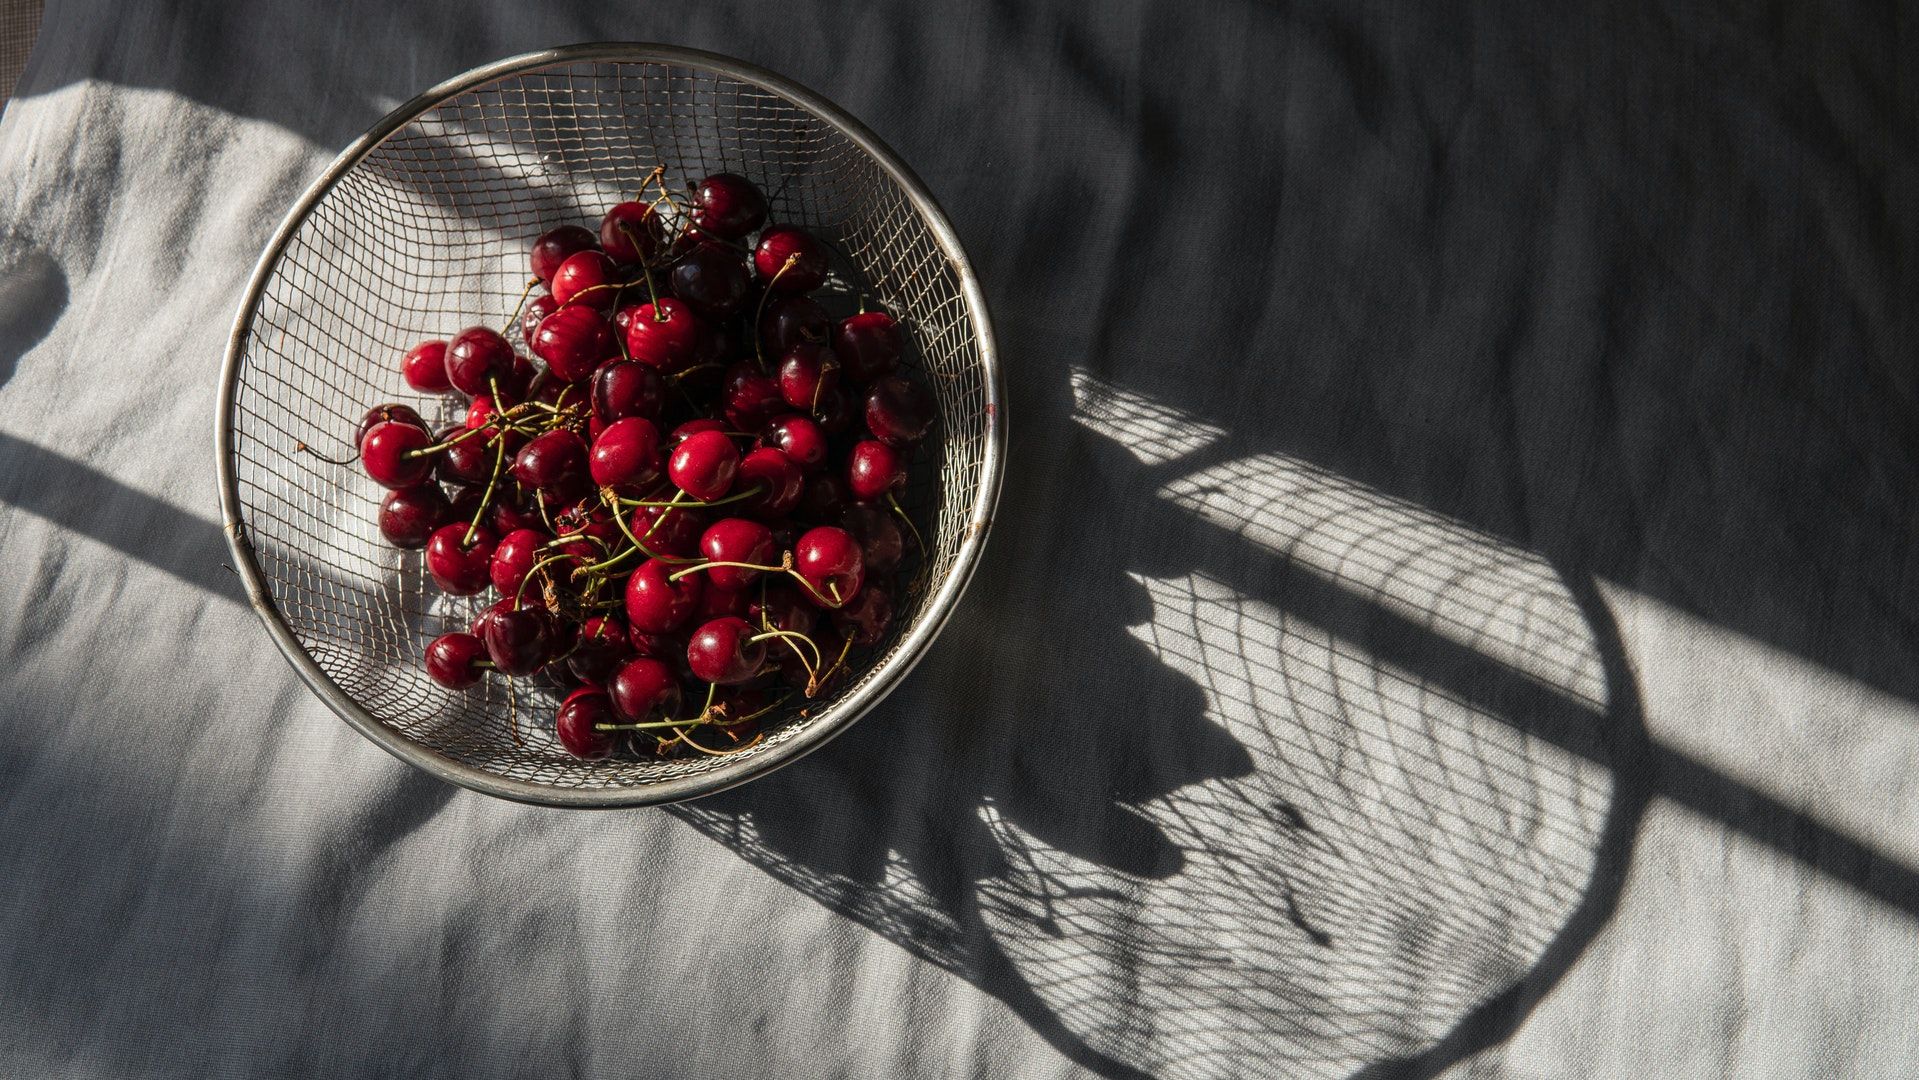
692 504
524 293
486 497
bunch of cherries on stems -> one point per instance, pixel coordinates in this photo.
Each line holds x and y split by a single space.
690 512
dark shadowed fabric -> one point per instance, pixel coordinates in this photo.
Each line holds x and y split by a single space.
1453 610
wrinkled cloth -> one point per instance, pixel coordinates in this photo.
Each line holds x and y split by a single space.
1452 611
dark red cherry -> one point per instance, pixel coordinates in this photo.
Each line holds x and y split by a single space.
869 344
550 460
712 280
790 260
789 320
827 559
460 568
779 480
656 605
882 543
736 540
630 232
424 368
453 660
476 356
898 411
486 615
800 437
622 388
671 531
728 206
588 278
723 651
409 515
825 496
704 465
717 602
555 246
835 411
536 309
626 454
601 650
645 689
783 608
806 371
380 414
513 556
663 335
481 413
468 460
385 450
577 724
874 470
865 619
509 511
751 398
519 381
572 341
694 427
520 641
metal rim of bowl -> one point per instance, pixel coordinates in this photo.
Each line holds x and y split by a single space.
913 645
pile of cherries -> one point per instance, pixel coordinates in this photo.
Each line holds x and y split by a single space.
689 509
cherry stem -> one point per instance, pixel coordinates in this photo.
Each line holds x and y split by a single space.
693 504
305 449
710 752
813 688
486 497
812 669
697 567
511 319
620 520
758 312
652 293
519 594
897 509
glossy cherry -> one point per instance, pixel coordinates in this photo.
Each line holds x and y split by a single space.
736 540
385 450
882 544
467 460
476 356
782 608
409 515
424 368
572 341
704 465
520 640
807 370
536 309
728 206
827 560
663 334
656 605
622 388
550 460
589 278
790 260
712 280
723 651
869 344
779 480
453 660
800 437
555 246
510 511
601 649
577 724
460 568
874 470
694 427
380 414
513 557
626 454
645 689
789 320
750 397
898 411
673 531
630 232
865 619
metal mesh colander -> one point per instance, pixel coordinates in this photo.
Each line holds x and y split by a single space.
421 228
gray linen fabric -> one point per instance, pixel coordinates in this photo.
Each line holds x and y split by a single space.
1452 612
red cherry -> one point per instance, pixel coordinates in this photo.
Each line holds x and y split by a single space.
789 320
874 470
865 619
630 232
664 335
384 450
736 540
779 480
869 344
409 515
424 368
577 724
453 660
510 511
828 560
486 616
520 640
587 277
626 454
712 280
379 414
671 531
601 650
783 608
694 427
717 602
536 309
550 460
513 557
723 651
467 461
882 544
655 605
476 356
481 412
572 341
898 411
780 243
728 206
806 372
645 689
622 388
555 246
704 465
459 568
800 437
750 397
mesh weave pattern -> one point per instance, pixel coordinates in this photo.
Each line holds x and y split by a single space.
428 234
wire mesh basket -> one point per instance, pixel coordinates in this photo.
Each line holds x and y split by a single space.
421 228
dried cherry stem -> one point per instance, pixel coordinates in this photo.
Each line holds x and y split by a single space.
897 509
759 311
519 594
787 636
305 449
846 646
486 497
693 504
710 752
513 318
